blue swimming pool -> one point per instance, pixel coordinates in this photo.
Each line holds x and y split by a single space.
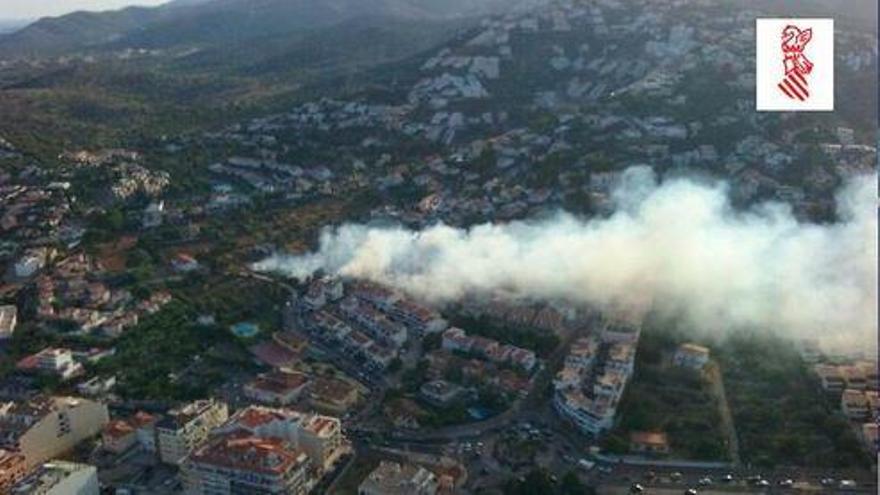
245 329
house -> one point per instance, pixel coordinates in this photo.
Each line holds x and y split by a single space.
691 356
392 478
184 263
648 442
440 392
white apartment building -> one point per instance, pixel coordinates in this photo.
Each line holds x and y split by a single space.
184 428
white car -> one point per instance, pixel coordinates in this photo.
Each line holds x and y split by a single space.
848 484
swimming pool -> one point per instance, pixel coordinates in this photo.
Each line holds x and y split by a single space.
245 329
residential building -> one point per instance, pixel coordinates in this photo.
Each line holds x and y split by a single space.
870 372
648 442
278 388
240 462
392 478
291 341
59 478
378 357
457 340
96 386
184 428
590 385
53 361
620 332
831 378
376 324
321 291
854 404
122 434
590 415
869 435
854 377
583 353
621 358
118 436
441 392
332 395
419 318
691 356
319 436
29 264
145 428
8 320
44 427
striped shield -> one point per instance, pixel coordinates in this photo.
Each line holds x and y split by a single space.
795 86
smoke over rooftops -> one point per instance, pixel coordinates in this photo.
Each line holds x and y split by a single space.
678 243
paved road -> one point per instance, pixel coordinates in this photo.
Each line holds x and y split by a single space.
716 381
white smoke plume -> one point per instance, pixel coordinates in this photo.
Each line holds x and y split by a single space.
678 243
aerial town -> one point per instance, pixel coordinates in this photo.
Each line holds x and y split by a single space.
141 351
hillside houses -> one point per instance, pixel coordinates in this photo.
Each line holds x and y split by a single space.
456 339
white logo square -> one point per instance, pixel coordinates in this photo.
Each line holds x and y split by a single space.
794 64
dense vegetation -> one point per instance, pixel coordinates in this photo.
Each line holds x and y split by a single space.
663 397
781 416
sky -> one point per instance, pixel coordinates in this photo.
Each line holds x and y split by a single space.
31 9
